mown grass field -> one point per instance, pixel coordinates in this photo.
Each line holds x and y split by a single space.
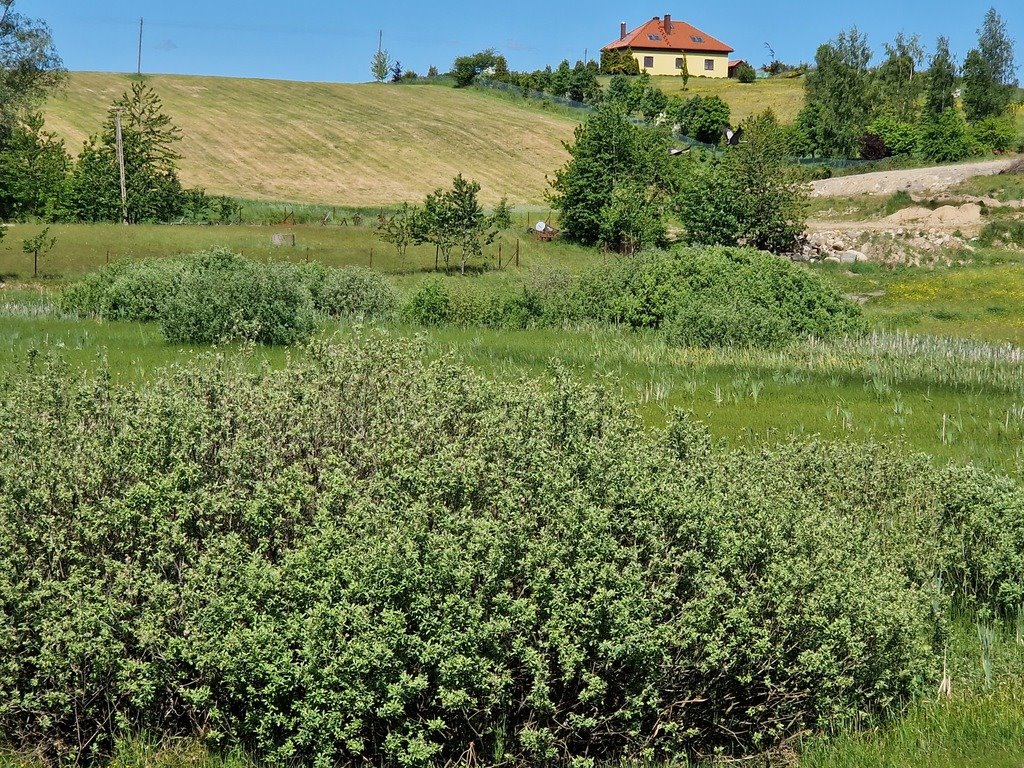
332 143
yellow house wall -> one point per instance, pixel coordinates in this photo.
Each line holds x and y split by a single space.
665 63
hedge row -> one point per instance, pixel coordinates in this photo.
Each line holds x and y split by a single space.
366 557
699 296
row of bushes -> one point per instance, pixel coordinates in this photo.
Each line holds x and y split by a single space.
698 296
368 557
945 138
217 296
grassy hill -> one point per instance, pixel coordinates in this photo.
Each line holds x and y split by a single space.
359 145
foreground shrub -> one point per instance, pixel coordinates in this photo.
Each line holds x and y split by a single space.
366 557
717 296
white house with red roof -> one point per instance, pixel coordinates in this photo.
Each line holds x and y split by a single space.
662 45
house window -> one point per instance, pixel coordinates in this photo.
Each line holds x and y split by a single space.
654 38
648 62
697 39
679 63
709 65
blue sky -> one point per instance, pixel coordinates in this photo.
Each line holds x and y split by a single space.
333 41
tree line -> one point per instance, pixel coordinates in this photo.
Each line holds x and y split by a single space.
941 112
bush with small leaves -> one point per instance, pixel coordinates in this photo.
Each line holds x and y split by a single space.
371 557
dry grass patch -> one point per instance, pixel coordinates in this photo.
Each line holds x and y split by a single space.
333 143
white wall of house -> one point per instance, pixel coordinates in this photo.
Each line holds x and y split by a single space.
669 63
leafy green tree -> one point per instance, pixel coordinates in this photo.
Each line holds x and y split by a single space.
684 72
633 219
898 82
940 80
750 195
583 85
29 65
701 117
996 47
37 246
465 69
990 77
153 189
838 95
653 103
608 152
618 93
34 168
453 218
981 93
380 65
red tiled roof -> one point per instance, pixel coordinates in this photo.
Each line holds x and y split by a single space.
682 37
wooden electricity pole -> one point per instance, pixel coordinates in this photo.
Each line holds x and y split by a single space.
138 70
120 165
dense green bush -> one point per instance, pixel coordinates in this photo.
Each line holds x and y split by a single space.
216 296
717 296
945 138
995 134
900 138
132 291
366 557
355 293
226 298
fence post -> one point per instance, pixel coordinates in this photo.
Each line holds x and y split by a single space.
517 253
499 255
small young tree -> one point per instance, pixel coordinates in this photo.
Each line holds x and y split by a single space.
432 71
453 218
684 73
940 80
396 71
399 229
37 246
380 65
501 216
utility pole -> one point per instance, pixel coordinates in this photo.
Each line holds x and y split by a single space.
138 70
380 41
120 164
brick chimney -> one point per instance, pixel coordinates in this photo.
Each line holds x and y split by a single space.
668 24
622 31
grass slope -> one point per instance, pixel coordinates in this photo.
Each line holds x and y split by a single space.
332 143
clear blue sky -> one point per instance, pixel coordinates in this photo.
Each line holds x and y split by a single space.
333 41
